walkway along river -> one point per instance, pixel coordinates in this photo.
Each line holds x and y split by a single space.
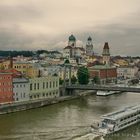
67 120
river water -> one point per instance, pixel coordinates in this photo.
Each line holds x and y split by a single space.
69 120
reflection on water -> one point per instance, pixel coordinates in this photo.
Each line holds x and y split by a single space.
68 120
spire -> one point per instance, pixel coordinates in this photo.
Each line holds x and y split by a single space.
106 46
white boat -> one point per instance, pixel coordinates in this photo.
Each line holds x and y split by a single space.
118 120
106 93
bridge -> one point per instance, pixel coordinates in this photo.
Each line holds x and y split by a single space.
102 88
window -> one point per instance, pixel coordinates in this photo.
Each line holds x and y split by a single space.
30 86
43 85
23 95
50 84
37 85
34 86
46 84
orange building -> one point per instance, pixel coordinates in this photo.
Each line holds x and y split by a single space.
6 87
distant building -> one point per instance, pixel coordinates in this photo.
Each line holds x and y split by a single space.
6 87
105 73
89 47
72 51
26 68
20 89
73 72
44 87
127 72
106 54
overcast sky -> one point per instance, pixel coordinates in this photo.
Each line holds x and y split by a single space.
47 24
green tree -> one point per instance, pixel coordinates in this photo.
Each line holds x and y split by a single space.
83 75
66 61
96 80
73 79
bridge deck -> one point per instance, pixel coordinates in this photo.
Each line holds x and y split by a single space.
103 88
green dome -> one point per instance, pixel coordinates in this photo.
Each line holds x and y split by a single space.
89 38
72 38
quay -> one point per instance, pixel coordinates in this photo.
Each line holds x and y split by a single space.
32 104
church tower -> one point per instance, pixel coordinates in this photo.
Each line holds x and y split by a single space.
72 41
106 54
89 47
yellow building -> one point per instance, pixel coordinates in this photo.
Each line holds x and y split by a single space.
121 62
5 64
27 69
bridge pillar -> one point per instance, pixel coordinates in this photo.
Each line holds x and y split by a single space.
69 75
64 76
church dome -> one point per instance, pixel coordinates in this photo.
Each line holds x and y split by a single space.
89 38
72 38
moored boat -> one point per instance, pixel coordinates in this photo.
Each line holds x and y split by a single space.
106 93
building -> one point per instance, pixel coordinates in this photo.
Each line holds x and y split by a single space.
27 69
127 72
105 73
72 51
62 73
44 87
20 89
89 47
6 87
106 54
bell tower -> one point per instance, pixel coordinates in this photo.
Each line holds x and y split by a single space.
89 47
106 54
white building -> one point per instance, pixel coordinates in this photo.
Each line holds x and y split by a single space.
73 72
127 72
20 89
72 51
44 87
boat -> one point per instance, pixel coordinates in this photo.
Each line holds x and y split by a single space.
106 93
116 121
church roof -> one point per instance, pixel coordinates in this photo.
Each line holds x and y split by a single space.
68 47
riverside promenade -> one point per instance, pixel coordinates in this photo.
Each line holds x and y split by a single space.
26 105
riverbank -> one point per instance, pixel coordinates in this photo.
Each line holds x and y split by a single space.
20 106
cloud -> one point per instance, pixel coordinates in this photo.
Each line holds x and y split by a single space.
46 24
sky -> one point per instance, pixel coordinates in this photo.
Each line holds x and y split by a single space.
47 24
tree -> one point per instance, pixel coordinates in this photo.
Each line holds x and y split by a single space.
96 80
66 61
73 79
83 75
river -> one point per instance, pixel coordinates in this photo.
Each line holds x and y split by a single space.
69 120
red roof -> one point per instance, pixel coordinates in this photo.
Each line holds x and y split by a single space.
14 72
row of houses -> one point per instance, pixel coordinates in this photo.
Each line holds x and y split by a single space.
15 88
